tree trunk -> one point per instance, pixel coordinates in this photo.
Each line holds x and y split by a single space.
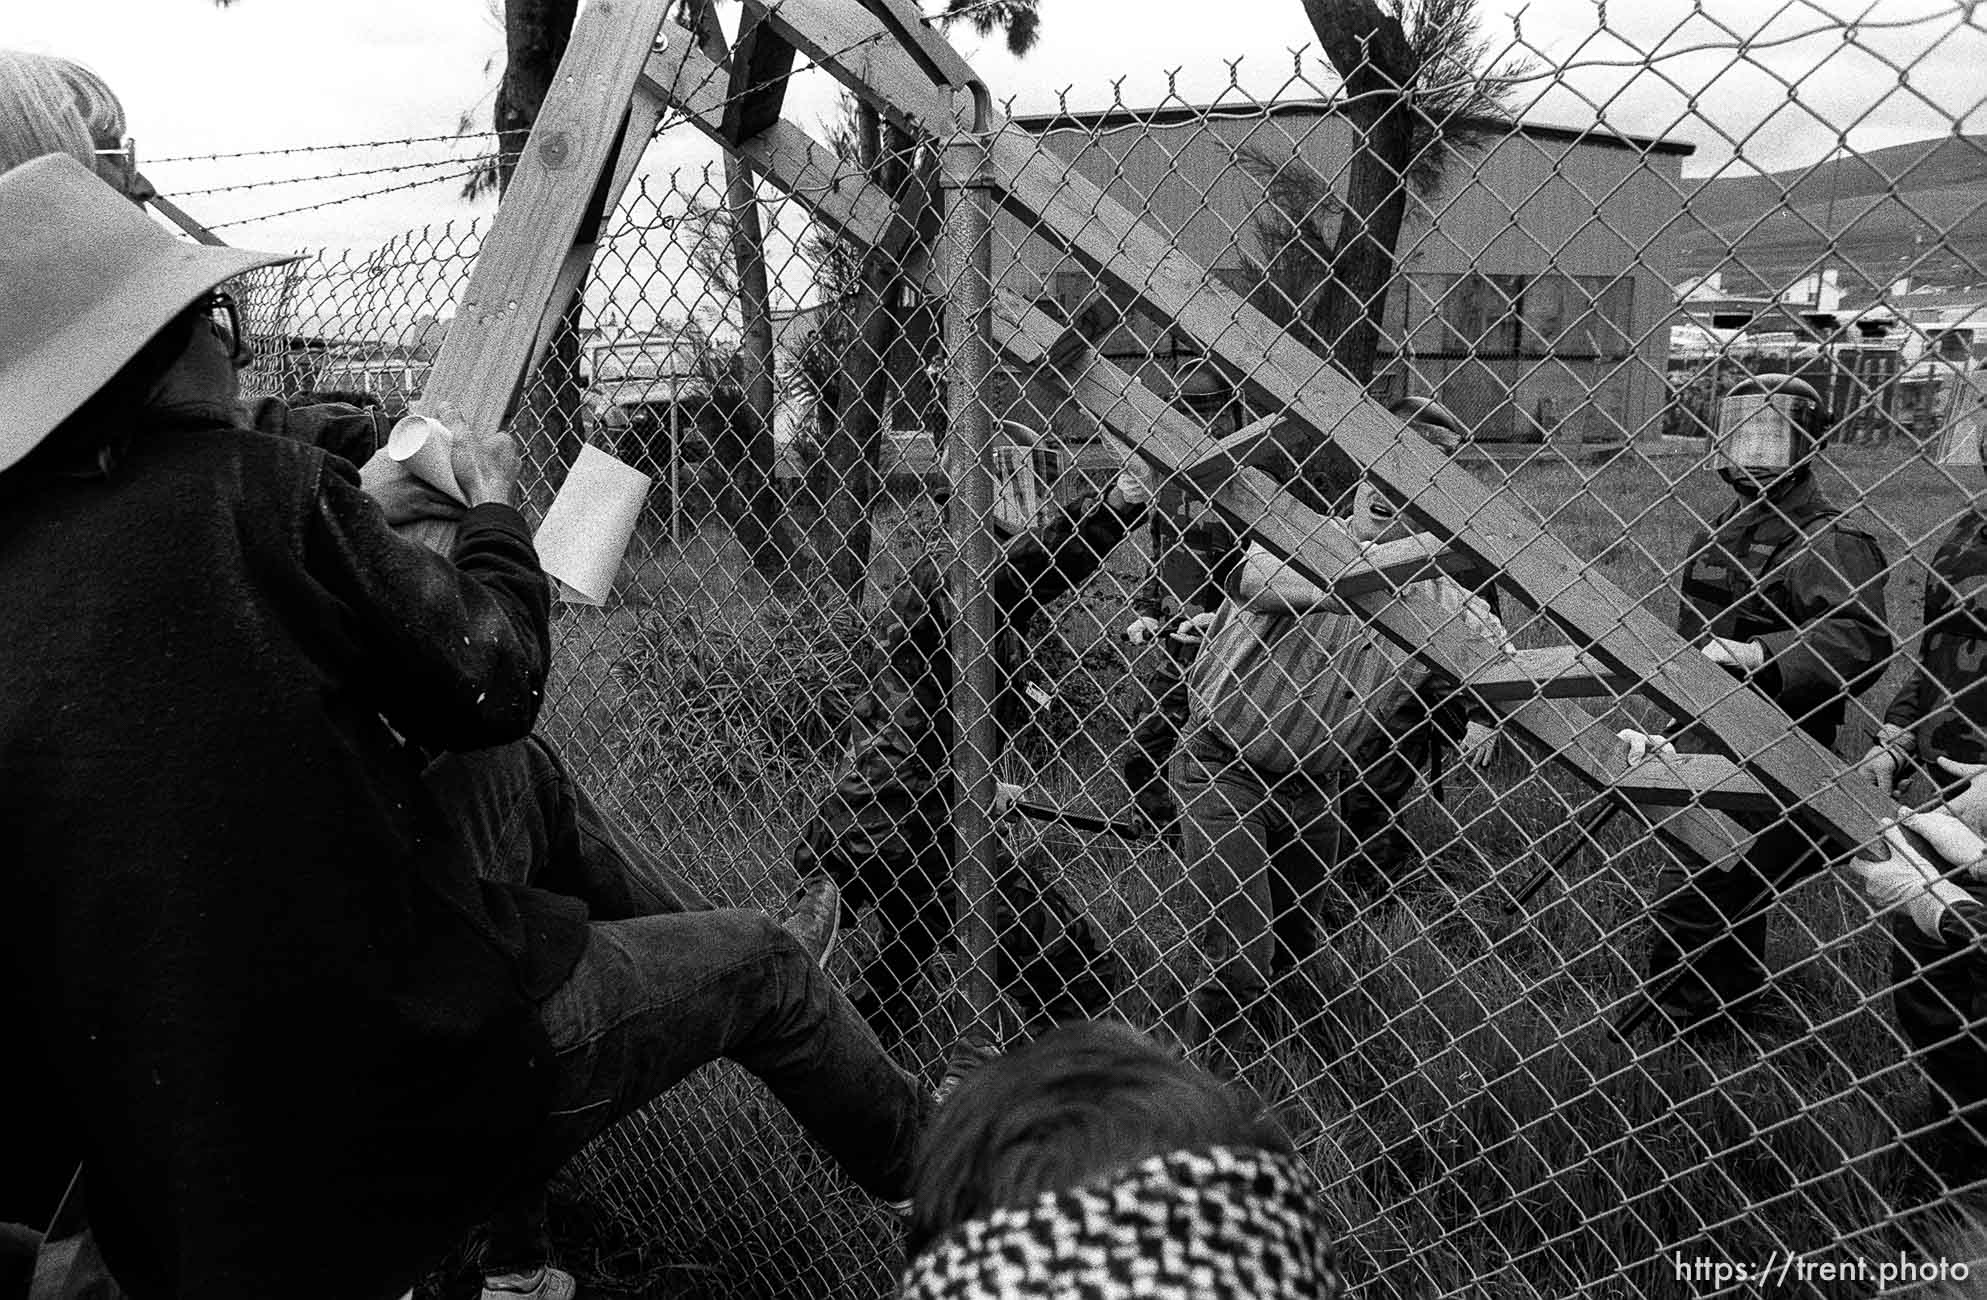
535 36
750 496
762 526
848 485
1370 51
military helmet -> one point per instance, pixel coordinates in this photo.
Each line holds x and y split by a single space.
1768 424
1432 420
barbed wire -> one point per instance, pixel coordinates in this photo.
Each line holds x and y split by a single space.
481 159
317 148
1546 72
349 198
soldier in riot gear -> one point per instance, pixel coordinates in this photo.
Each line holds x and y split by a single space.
1937 725
1785 594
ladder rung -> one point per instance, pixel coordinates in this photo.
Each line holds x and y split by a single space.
1395 564
1243 447
685 78
933 52
1096 317
855 47
761 62
1704 780
1555 672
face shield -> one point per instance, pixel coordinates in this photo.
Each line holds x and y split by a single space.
1762 433
1018 490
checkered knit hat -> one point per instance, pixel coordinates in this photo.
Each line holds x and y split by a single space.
1218 1224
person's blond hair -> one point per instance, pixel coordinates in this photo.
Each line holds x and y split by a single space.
52 105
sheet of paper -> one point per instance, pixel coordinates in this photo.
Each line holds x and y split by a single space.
586 531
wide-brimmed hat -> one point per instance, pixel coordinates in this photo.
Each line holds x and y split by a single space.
86 278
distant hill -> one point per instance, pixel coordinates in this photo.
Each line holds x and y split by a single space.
1920 207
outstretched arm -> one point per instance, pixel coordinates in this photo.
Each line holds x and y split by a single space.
1052 558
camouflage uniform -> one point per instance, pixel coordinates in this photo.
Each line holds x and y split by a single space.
1784 570
1941 996
883 832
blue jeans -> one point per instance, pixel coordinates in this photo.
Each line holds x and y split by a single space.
667 984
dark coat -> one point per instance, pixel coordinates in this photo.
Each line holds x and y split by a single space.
890 807
259 989
1945 699
1786 570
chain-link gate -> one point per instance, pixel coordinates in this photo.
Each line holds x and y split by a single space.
1551 1011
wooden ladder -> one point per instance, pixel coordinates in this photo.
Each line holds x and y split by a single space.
624 69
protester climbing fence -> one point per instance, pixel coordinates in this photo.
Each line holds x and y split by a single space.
1440 977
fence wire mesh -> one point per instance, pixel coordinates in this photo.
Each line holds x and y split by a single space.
1394 906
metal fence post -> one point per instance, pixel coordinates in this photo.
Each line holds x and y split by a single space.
968 265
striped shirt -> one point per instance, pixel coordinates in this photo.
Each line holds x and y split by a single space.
1299 693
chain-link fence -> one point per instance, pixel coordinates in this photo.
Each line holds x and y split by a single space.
1463 939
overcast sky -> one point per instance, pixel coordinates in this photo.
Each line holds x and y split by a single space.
280 74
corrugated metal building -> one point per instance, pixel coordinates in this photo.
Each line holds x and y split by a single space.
1533 293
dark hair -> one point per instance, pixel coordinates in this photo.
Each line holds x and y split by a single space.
1083 1100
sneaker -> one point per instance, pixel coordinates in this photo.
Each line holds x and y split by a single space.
542 1283
814 916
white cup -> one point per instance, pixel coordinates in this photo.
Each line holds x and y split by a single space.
427 448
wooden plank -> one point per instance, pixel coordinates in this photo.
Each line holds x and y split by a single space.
1394 564
527 260
643 114
1695 780
932 52
761 61
1246 446
499 324
1320 549
1556 672
1094 318
684 78
855 47
1284 373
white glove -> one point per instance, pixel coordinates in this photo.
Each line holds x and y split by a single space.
1192 631
1642 743
1479 745
1142 629
1878 766
1956 842
1136 481
1746 656
1006 795
1970 804
1907 881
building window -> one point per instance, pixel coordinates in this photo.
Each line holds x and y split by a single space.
1480 316
1492 317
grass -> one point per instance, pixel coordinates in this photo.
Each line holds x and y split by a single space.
1480 1132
